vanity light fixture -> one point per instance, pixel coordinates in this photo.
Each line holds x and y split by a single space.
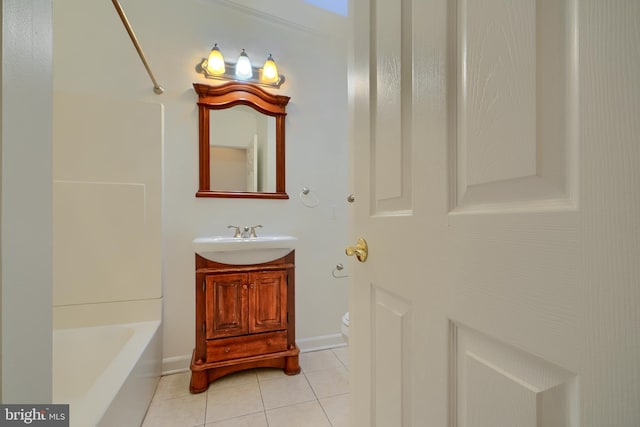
215 67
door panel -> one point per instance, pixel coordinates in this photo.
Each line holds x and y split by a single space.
268 301
499 385
391 89
514 142
496 170
391 321
226 305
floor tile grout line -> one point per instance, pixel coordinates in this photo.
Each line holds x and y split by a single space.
325 412
206 404
235 417
318 400
315 396
310 386
264 408
257 378
340 360
340 363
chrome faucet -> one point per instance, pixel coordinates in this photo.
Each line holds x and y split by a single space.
247 232
252 230
237 233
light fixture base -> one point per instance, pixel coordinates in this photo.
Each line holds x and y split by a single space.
230 75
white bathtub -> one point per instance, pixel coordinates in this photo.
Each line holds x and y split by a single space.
107 374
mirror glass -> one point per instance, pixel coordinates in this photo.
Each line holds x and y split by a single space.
242 150
241 140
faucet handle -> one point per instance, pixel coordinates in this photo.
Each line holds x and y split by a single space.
252 233
237 232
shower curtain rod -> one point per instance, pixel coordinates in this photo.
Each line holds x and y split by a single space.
156 88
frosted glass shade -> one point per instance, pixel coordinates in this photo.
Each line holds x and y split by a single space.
243 66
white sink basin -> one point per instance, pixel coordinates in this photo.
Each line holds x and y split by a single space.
251 250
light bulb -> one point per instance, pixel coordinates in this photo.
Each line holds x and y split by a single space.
243 66
215 61
270 70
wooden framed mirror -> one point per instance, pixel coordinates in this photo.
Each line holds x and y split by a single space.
241 140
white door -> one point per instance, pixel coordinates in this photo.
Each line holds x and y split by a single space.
496 169
252 166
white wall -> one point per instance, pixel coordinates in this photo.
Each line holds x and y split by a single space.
94 55
107 201
26 201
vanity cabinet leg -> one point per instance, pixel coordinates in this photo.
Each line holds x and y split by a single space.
199 382
291 365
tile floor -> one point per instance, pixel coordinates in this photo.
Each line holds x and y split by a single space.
317 397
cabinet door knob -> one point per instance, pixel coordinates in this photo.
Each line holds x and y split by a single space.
227 349
244 287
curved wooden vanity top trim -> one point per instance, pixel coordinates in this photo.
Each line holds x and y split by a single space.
229 94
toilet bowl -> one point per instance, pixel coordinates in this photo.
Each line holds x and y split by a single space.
345 327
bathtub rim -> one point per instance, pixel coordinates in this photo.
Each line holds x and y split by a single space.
91 408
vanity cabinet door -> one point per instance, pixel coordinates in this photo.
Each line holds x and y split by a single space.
267 301
226 305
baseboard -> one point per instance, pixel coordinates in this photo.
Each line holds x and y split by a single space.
322 342
178 364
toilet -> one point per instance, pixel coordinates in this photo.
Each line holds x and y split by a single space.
345 327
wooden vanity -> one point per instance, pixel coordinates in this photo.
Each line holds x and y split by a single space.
245 319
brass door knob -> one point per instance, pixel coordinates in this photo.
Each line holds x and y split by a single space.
360 250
